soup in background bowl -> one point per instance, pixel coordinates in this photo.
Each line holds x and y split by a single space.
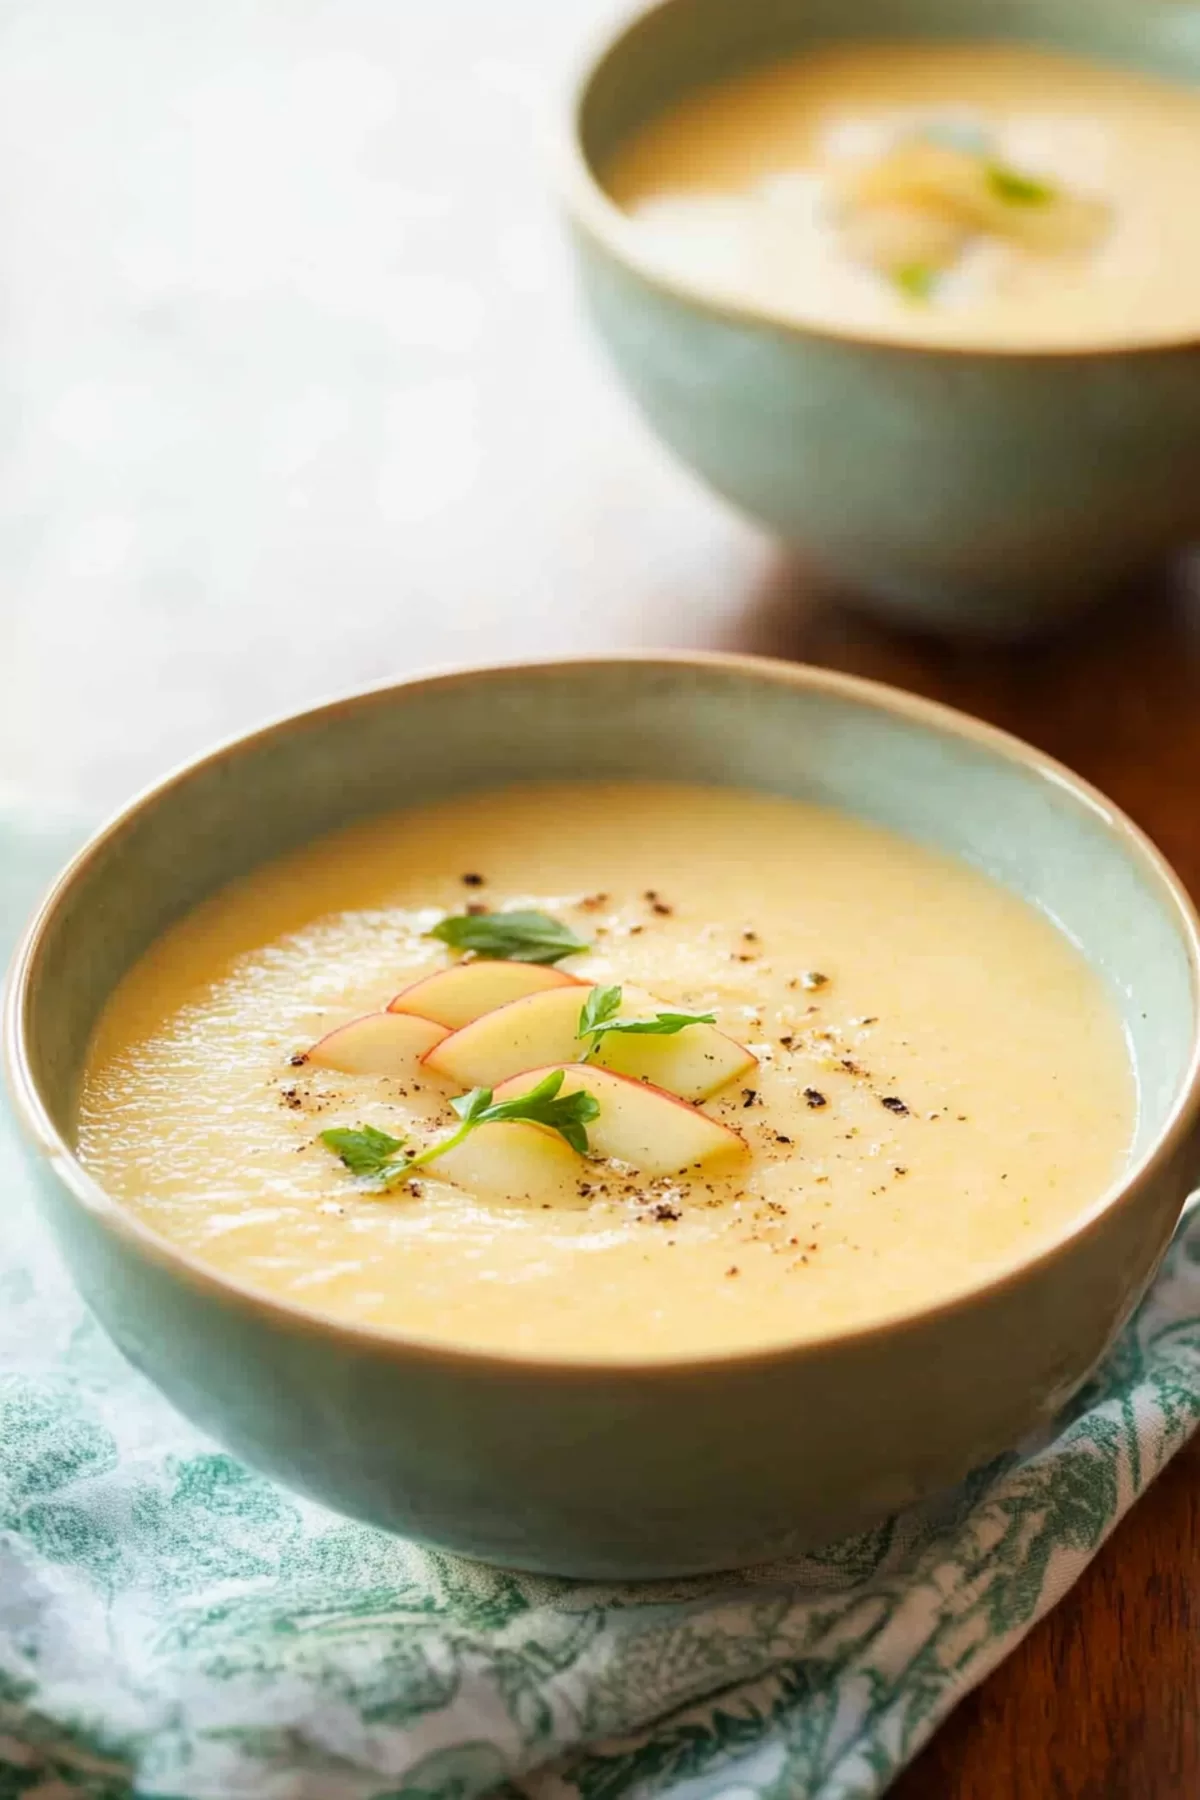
902 1124
913 289
989 195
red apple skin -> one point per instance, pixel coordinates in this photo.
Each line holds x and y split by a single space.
616 1051
539 1031
724 1141
516 1162
395 1045
438 996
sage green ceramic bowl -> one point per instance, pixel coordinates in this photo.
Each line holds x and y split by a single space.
975 492
627 1469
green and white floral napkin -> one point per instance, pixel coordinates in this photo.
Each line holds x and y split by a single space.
173 1625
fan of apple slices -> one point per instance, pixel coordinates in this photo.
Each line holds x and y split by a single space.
910 213
506 1026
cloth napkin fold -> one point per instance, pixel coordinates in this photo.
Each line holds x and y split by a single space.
173 1625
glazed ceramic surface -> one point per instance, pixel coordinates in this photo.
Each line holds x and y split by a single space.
621 1470
978 491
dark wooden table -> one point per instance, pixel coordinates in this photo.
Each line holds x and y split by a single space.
1102 1701
322 410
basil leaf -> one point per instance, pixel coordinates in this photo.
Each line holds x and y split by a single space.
567 1114
529 937
915 280
598 1018
663 1024
372 1153
1017 189
601 1005
364 1151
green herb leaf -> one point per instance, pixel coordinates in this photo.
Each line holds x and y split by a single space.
663 1024
470 1107
528 937
545 1104
598 1018
601 1005
1017 189
916 281
364 1151
372 1153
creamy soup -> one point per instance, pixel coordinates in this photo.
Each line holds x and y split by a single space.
918 1077
958 193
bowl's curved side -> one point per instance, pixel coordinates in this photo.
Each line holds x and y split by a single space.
620 1473
626 1469
990 494
989 491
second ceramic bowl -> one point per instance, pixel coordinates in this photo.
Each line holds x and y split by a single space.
975 492
601 1468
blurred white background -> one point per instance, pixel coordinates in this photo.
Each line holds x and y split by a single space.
294 391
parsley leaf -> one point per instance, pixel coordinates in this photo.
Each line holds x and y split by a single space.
598 1018
372 1153
1019 190
528 937
365 1151
568 1114
471 1107
601 1005
915 280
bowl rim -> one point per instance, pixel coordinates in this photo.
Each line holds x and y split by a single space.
1178 1127
592 210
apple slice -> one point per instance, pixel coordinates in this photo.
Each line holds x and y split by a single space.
525 1034
514 1161
693 1063
541 1029
379 1044
657 1133
455 997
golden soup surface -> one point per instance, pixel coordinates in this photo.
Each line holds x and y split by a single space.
952 1094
